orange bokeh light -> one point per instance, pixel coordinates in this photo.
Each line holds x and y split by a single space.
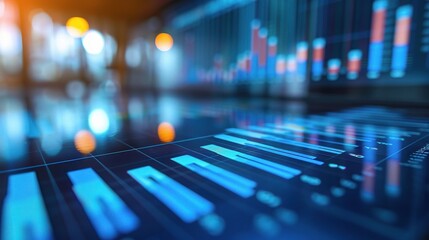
166 132
84 142
77 27
164 42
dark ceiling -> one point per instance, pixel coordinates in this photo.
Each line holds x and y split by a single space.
127 10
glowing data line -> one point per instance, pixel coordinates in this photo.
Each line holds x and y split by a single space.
24 213
283 140
262 164
186 204
271 149
108 214
328 134
288 133
231 181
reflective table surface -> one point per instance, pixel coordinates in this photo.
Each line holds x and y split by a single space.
136 166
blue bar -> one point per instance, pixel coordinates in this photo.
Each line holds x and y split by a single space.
284 132
262 164
24 213
108 214
267 148
186 204
400 51
283 140
375 59
317 66
399 60
317 132
231 181
254 66
302 63
271 59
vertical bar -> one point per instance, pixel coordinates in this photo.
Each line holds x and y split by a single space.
354 63
318 55
281 65
368 171
393 165
186 204
254 51
334 66
272 54
24 213
108 214
231 181
375 57
262 42
301 56
291 64
401 42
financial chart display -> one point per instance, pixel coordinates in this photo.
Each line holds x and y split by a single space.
290 45
137 167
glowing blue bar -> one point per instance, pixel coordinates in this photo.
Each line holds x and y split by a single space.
186 204
24 213
268 148
317 132
262 164
231 181
271 60
283 140
375 57
108 214
285 132
400 50
302 62
317 66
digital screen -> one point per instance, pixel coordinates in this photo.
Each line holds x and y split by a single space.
287 47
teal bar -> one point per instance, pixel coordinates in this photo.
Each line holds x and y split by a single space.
271 149
231 181
262 164
24 213
186 204
283 140
108 214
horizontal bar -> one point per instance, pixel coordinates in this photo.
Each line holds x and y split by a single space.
231 181
262 164
316 132
24 212
283 132
267 148
186 204
108 214
283 140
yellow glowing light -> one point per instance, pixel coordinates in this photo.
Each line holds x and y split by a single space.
77 27
164 42
85 142
166 132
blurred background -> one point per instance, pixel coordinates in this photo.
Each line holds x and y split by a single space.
317 49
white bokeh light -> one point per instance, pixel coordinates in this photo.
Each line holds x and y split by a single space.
93 42
99 121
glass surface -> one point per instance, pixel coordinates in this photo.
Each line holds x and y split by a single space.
136 165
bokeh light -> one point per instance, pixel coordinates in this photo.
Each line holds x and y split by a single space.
2 7
99 121
166 132
164 42
77 27
93 42
84 142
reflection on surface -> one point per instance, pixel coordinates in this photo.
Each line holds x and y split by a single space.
292 163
